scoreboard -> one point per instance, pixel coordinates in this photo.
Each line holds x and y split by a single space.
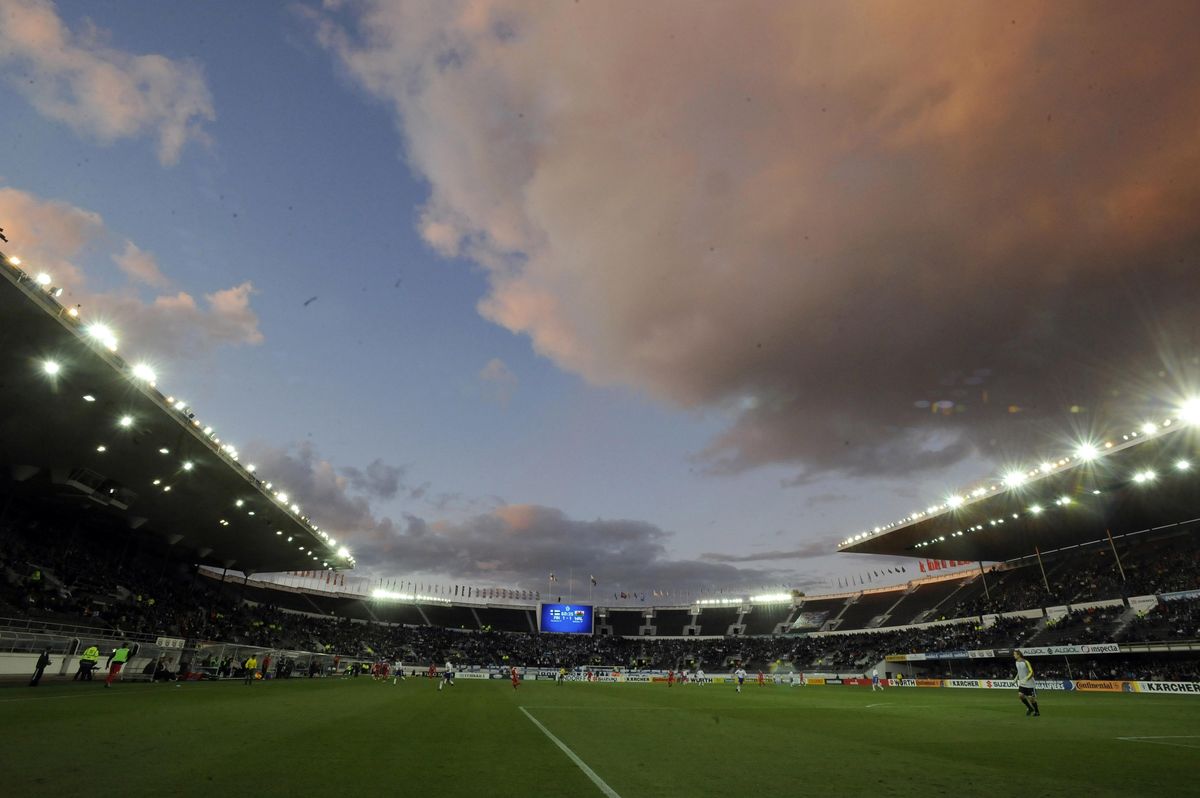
568 618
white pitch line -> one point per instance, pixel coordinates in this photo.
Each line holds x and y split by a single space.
579 763
1158 740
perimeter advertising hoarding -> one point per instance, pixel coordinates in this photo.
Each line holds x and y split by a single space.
565 618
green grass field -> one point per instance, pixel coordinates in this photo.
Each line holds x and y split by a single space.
356 737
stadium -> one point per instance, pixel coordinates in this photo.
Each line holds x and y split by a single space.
511 399
124 518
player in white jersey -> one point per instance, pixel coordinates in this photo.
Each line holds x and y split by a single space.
447 676
740 674
875 683
1025 686
700 678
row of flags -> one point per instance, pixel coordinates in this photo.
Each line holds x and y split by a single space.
458 591
867 577
331 578
929 566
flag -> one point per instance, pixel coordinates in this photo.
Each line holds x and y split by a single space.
553 578
593 580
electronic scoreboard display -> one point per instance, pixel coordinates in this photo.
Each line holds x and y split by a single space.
568 618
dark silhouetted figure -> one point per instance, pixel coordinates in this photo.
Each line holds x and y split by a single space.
42 663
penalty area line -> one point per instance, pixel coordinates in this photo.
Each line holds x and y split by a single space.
579 763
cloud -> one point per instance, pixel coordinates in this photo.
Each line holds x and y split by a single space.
499 383
140 266
59 238
509 544
98 90
819 548
378 479
883 238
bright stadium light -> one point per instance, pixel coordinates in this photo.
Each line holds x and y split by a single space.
164 450
1182 465
283 497
1087 452
104 334
251 468
14 260
102 448
1142 477
188 466
343 552
1047 467
954 501
1014 478
42 279
1149 428
145 373
87 397
51 368
1064 500
125 421
1189 411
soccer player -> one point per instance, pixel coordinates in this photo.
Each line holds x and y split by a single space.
516 680
1025 687
875 683
561 677
670 678
700 678
740 674
397 672
447 676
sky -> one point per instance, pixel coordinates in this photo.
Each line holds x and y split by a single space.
676 295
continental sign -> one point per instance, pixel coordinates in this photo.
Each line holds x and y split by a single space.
1100 686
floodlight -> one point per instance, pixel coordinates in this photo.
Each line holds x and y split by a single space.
1086 452
42 279
1014 478
1149 428
1182 465
187 466
125 421
1189 411
104 334
51 368
955 501
1142 477
144 373
343 552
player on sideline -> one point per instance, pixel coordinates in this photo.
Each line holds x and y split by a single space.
875 683
1025 687
740 673
447 677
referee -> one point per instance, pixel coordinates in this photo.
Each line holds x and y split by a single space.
1025 687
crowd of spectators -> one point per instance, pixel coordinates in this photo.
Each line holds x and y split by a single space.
65 570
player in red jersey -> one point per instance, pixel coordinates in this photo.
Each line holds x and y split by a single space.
670 678
515 679
432 671
762 680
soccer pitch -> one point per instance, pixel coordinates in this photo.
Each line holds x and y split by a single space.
480 739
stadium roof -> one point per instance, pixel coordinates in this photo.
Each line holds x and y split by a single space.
75 416
1145 479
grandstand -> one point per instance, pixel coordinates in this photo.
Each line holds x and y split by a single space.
1080 552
